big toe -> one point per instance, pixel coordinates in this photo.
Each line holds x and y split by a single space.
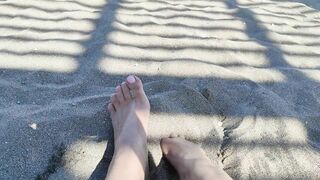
173 150
165 145
135 83
170 147
177 150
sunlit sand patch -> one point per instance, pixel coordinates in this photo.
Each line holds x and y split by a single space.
45 15
287 38
29 36
303 60
173 31
47 47
197 125
167 13
206 55
260 75
293 130
205 130
97 3
312 74
179 68
171 43
83 156
251 129
122 14
84 25
301 49
151 5
279 20
39 34
273 141
53 5
38 63
182 21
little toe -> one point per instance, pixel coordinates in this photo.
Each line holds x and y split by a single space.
119 94
166 144
171 145
111 108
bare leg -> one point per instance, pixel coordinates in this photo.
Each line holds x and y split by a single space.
190 160
130 117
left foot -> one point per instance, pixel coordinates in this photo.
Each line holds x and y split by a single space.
190 160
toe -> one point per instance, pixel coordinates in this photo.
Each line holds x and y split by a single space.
125 91
174 135
165 144
171 145
134 83
115 101
119 94
111 108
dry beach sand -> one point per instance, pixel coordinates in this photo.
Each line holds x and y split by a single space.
239 77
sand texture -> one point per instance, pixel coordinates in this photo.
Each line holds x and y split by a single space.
239 77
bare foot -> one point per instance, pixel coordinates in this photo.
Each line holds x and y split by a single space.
130 111
190 160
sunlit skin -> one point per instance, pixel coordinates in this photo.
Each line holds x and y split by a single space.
130 110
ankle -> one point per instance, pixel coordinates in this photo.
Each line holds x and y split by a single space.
134 161
135 141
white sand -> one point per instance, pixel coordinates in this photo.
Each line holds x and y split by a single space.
239 77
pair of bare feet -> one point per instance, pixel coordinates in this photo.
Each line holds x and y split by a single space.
130 111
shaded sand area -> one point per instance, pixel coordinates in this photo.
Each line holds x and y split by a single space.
239 77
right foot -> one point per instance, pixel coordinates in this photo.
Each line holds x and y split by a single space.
129 109
129 114
190 160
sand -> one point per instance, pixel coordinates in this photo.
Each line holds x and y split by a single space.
239 77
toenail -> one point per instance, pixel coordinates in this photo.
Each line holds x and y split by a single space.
131 79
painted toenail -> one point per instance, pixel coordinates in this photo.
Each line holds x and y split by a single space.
131 79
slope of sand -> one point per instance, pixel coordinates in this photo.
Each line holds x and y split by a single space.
239 77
